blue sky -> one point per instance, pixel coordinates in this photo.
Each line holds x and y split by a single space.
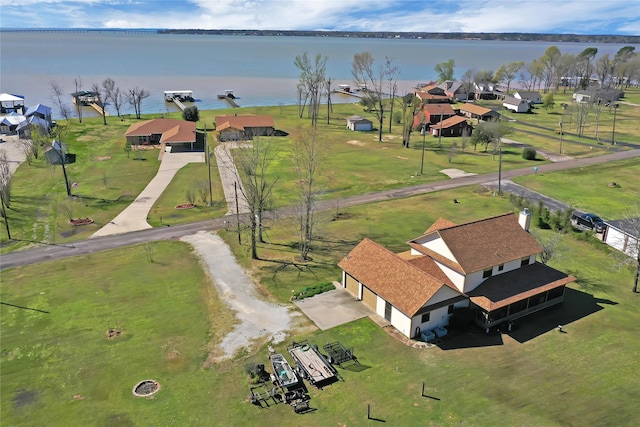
533 16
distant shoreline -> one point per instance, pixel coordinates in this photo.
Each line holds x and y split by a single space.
517 37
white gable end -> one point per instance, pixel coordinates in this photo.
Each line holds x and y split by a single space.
436 244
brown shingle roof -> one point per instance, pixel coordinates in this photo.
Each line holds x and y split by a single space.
487 242
172 130
393 278
475 109
242 122
447 123
439 224
507 288
435 109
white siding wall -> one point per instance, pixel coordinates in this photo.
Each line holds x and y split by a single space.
400 321
438 317
443 294
472 281
457 278
436 244
616 239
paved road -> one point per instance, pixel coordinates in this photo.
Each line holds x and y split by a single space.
51 252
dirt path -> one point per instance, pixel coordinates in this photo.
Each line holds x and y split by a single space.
259 320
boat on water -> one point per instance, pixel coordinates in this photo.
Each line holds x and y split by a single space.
282 370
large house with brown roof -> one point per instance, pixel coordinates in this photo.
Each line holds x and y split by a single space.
430 114
488 266
180 135
453 126
474 111
241 128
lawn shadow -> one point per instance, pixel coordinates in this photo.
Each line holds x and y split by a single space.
356 367
470 339
576 305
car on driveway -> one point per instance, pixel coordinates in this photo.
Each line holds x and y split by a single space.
588 221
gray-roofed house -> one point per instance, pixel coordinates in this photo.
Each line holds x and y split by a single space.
604 95
359 123
532 96
516 105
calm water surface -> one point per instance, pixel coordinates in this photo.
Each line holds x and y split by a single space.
259 69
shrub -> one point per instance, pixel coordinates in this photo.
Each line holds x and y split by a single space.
529 153
314 290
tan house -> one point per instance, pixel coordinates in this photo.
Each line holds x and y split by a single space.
242 128
478 112
488 266
453 126
180 135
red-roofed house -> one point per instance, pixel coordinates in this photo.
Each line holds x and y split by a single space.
430 114
487 265
241 128
178 134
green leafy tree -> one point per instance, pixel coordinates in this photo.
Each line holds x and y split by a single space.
191 114
490 132
507 73
445 70
548 101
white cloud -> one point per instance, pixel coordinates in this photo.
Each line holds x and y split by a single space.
568 16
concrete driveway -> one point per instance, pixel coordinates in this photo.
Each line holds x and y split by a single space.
134 216
333 308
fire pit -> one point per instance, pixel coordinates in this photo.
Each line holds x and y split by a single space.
146 388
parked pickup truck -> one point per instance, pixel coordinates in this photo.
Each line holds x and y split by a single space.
588 221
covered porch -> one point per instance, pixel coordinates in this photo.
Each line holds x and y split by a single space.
518 293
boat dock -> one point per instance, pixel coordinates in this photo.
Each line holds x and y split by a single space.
98 108
178 97
230 98
311 364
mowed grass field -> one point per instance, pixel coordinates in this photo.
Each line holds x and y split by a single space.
590 189
54 346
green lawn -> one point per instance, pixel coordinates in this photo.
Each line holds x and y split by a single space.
170 320
588 188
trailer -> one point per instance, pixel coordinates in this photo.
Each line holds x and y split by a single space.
311 365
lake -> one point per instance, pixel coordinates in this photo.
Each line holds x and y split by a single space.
259 69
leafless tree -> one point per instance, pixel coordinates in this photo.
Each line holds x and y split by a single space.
202 187
309 154
312 78
371 80
28 149
113 94
100 97
66 207
328 83
59 134
76 98
549 246
392 73
410 105
549 63
604 69
56 97
135 98
254 161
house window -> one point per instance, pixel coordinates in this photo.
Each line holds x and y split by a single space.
501 267
450 309
487 273
387 311
524 261
425 317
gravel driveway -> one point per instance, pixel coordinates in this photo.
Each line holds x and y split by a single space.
258 319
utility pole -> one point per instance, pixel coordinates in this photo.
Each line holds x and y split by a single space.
423 132
500 172
206 145
561 133
440 132
6 218
613 134
235 188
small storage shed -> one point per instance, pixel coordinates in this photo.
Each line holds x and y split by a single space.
359 123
